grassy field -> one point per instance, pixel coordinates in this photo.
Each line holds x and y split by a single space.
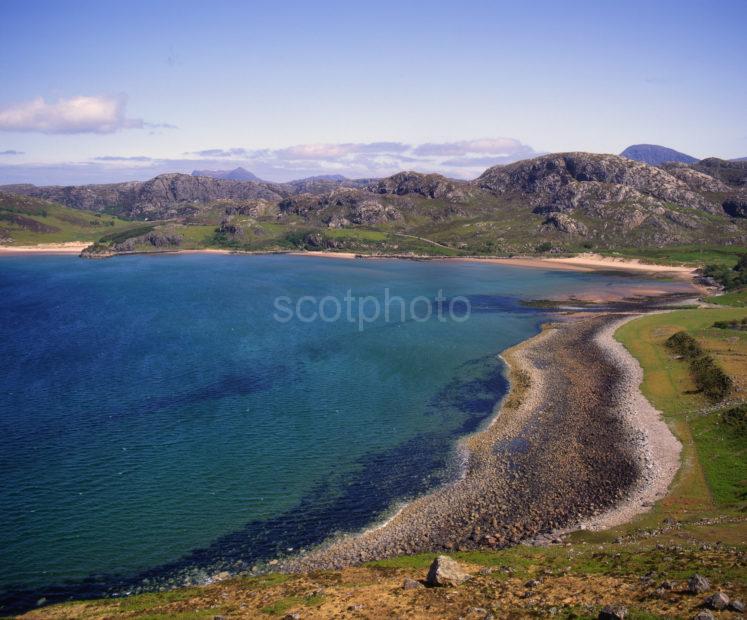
735 298
713 476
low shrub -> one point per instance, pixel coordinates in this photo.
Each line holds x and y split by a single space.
709 378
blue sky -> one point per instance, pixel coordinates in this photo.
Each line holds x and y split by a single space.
289 89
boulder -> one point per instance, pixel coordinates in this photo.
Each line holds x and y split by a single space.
704 615
697 584
446 572
613 612
411 584
717 601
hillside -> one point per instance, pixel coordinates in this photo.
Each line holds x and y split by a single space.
656 155
558 202
25 221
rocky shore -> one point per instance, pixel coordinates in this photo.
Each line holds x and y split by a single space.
574 445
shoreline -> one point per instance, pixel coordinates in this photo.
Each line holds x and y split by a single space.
587 262
566 455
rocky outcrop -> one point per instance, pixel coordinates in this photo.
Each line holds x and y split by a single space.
165 196
565 224
733 173
736 206
341 207
162 240
427 185
566 181
696 180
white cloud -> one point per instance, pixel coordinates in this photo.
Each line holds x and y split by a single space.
100 114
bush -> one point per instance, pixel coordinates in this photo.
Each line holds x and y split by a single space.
685 345
708 376
736 417
545 246
735 277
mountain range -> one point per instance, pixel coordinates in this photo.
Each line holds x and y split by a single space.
561 200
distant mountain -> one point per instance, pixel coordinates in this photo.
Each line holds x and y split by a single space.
655 155
325 177
739 159
237 174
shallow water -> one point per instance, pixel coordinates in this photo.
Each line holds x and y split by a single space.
155 417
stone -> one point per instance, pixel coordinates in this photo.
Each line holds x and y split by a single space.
532 583
613 612
697 584
704 615
737 605
293 616
411 584
446 572
717 601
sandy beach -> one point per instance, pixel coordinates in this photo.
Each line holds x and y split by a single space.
574 445
69 247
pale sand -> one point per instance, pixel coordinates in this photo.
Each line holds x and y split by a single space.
590 262
343 255
68 247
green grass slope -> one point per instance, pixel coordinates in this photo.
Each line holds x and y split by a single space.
30 221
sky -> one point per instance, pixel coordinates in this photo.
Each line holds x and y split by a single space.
103 91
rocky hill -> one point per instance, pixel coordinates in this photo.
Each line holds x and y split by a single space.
655 155
561 199
165 196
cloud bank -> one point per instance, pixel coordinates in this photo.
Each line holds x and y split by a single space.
464 159
102 114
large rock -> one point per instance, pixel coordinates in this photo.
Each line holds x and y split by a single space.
565 224
446 572
613 612
717 601
698 584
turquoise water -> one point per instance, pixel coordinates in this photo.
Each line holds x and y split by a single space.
156 421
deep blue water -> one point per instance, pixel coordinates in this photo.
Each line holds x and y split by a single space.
155 417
